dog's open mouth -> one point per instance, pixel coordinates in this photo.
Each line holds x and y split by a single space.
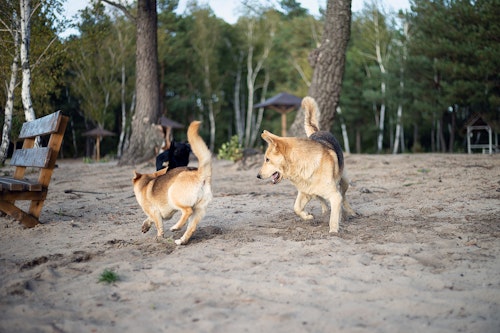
276 177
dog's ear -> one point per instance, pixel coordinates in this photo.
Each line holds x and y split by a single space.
136 175
269 137
160 172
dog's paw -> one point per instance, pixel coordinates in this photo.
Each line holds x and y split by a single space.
145 228
180 241
306 216
348 215
334 230
174 228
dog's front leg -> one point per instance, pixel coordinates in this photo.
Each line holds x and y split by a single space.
300 203
146 225
344 185
157 219
335 206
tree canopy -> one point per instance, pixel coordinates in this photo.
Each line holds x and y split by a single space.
426 70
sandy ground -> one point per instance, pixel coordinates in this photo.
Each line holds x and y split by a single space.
422 256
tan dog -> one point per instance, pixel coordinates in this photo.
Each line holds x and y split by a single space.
315 165
184 189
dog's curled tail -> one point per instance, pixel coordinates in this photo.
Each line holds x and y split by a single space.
200 150
311 110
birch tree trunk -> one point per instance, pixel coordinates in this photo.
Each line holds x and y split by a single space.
397 136
238 117
399 126
252 73
29 113
9 106
260 113
380 62
347 149
124 114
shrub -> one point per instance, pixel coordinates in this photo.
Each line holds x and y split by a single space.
231 150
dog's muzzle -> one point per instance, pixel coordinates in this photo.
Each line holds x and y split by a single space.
275 177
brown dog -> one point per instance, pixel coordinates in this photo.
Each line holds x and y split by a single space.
315 165
186 189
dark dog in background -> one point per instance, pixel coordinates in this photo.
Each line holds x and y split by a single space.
176 156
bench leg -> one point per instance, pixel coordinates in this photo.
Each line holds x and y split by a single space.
27 220
36 208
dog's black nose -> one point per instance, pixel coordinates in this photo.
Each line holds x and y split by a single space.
258 176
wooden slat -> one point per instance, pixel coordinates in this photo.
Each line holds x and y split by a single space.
41 126
12 184
34 157
8 185
13 196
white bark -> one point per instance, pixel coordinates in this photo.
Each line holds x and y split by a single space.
252 73
25 63
9 106
399 126
237 105
124 114
397 137
260 113
380 62
347 148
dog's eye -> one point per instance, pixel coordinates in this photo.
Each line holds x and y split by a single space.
267 160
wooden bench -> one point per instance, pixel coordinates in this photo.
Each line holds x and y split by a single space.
43 158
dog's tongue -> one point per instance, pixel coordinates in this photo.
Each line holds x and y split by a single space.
275 177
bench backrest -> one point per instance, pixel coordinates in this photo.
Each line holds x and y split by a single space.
40 157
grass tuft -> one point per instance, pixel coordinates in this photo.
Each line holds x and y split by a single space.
108 276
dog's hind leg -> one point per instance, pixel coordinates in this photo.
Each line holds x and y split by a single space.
300 202
344 185
335 214
324 204
186 213
191 228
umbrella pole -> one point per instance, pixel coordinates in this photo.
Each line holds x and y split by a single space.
283 124
98 148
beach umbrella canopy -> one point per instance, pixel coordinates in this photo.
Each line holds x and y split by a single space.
168 125
282 103
98 133
166 122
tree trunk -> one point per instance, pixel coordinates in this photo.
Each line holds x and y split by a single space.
9 107
25 62
143 138
328 62
442 141
416 139
252 73
380 136
451 143
260 113
347 149
358 140
397 136
124 114
238 118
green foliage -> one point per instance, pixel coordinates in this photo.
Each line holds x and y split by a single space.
108 276
448 58
231 150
